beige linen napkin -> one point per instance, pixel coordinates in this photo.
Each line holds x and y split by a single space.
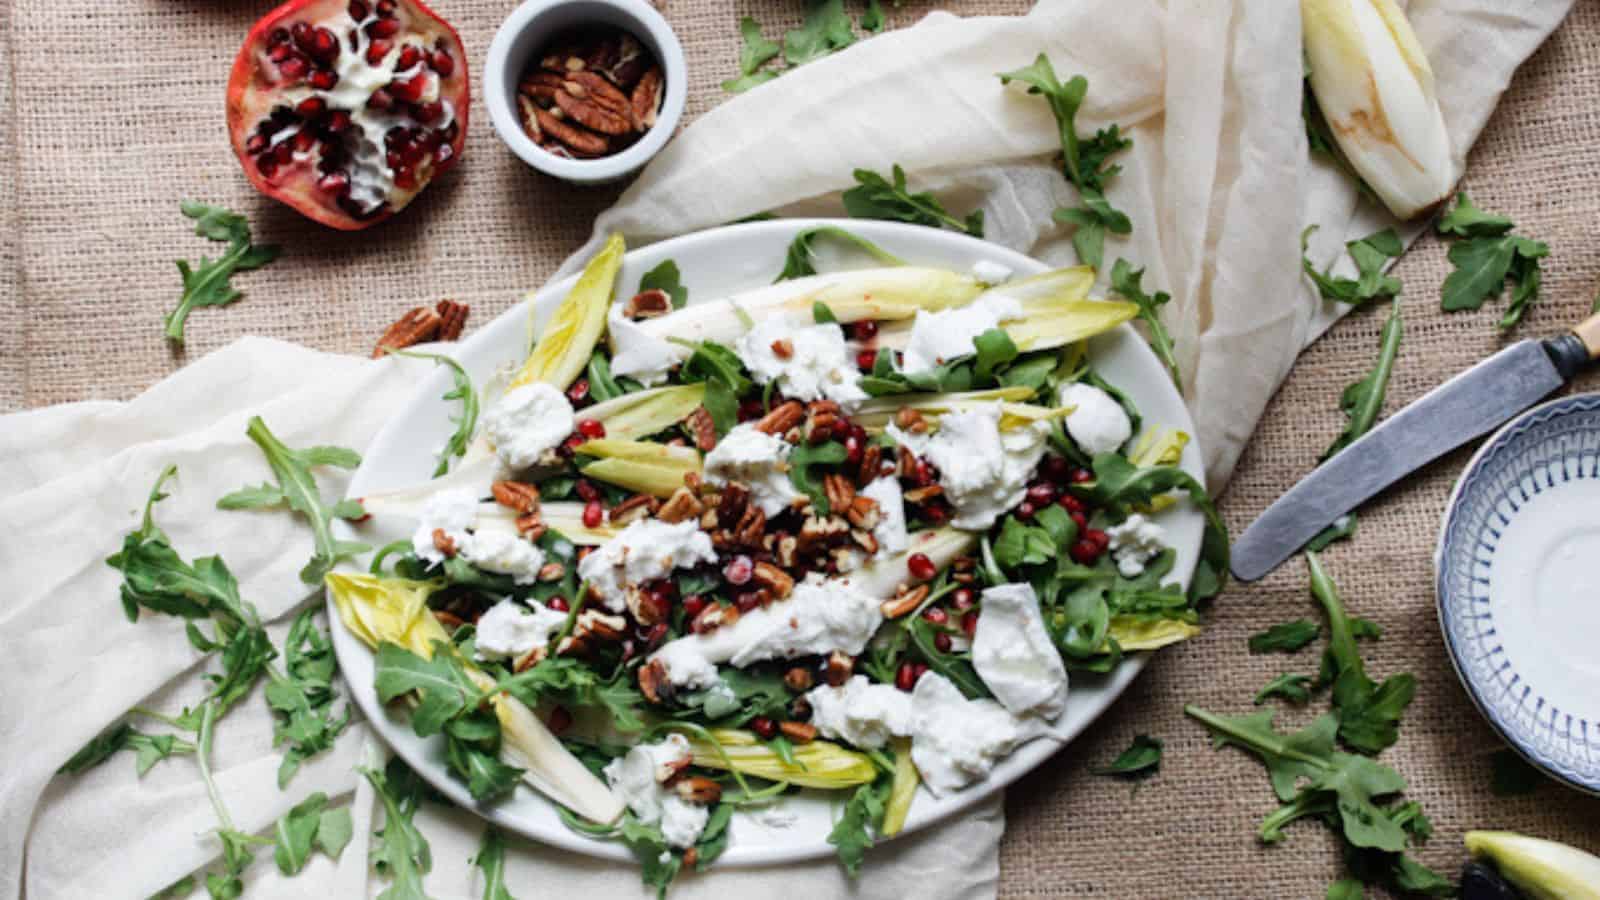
1209 91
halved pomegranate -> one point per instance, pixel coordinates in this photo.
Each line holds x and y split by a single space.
346 109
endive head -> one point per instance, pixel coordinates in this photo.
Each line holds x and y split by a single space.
1376 90
387 610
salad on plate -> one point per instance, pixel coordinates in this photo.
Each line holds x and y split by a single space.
848 533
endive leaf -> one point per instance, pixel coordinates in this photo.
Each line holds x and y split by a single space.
641 466
572 333
818 764
643 413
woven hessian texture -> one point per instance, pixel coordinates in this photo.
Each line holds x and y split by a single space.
114 113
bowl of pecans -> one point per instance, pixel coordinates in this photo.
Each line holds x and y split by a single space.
585 90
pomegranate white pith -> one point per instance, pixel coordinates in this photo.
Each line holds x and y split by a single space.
346 110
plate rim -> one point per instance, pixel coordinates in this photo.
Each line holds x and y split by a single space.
1021 762
1506 436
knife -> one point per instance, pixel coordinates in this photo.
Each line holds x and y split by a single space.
1471 404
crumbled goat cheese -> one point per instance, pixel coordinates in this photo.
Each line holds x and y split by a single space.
453 512
644 551
638 354
860 712
509 629
991 272
1134 543
527 423
1098 423
637 778
938 337
808 362
687 666
983 470
757 460
1013 654
891 529
956 741
506 553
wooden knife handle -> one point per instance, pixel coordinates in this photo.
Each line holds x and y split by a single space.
1588 331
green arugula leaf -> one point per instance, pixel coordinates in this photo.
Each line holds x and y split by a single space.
756 52
574 684
298 486
1466 220
183 887
1368 713
1346 889
711 361
399 850
207 283
722 405
148 749
1121 486
491 860
1363 629
822 314
1342 529
466 424
714 837
302 698
1294 688
872 21
875 197
659 864
995 350
801 258
441 685
1125 283
664 277
1286 637
156 578
1020 544
863 813
1513 777
296 831
603 385
806 457
334 830
1485 256
825 30
742 695
1141 760
1362 401
1370 255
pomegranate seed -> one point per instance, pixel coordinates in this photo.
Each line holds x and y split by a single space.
267 165
301 32
853 450
865 330
747 601
866 359
739 570
935 514
324 45
1025 510
256 144
283 153
323 80
919 670
750 409
941 642
969 623
428 112
1079 519
656 634
859 433
1057 469
593 512
377 50
578 392
385 8
337 122
334 183
380 99
921 567
280 53
1079 476
294 68
558 603
1071 504
905 677
586 490
936 615
411 89
380 29
1098 538
311 107
394 160
1041 494
593 429
409 56
964 597
443 63
1085 551
358 10
692 606
560 720
764 727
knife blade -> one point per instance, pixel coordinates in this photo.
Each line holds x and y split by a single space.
1470 404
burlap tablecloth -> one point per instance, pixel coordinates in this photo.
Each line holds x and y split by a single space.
113 112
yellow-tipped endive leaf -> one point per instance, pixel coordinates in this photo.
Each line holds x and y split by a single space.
818 764
564 517
1542 870
1159 447
1067 323
1376 90
641 466
902 791
1012 415
879 412
643 413
394 610
1142 633
569 338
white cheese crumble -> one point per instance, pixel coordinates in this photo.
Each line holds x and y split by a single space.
644 551
956 741
454 512
808 362
991 272
687 665
637 778
983 471
757 460
1013 654
1098 423
1134 543
638 354
509 630
938 337
527 423
860 712
890 532
506 553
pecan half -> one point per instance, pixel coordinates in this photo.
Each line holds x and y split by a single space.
752 526
703 428
866 541
530 526
786 548
911 420
871 462
698 789
904 601
714 616
816 532
540 87
443 542
820 427
654 683
552 571
452 319
647 606
647 304
682 506
840 492
634 508
799 679
735 498
529 111
594 623
580 142
448 619
783 348
799 732
530 659
863 512
417 326
774 579
516 495
591 86
782 418
838 668
629 63
590 114
923 494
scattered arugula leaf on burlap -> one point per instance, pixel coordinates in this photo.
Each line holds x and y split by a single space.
208 282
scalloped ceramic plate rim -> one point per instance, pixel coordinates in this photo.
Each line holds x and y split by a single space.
743 256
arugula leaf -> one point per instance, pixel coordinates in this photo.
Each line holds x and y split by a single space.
1021 544
441 685
722 405
491 859
711 361
1485 256
603 385
334 830
302 699
1362 401
1294 688
1346 889
1125 283
801 257
1513 777
1370 254
296 831
825 29
872 20
1466 220
572 683
456 445
875 197
1342 529
806 457
398 849
148 749
1286 637
156 578
853 834
183 887
1141 760
1368 713
1120 485
207 283
297 488
995 350
664 277
755 53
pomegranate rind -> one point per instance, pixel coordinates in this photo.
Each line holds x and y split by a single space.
251 97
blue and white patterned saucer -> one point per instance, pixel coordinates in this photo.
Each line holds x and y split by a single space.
1518 578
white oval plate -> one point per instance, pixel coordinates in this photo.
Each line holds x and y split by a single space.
713 264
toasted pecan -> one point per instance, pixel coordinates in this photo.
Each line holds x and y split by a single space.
782 418
417 326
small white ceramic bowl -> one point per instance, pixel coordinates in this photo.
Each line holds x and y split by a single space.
529 29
